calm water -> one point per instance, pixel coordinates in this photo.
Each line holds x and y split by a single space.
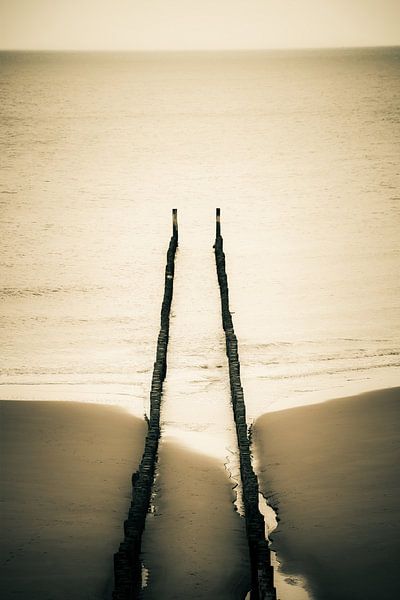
300 151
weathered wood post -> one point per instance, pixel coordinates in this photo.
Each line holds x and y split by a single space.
217 222
261 570
175 224
127 563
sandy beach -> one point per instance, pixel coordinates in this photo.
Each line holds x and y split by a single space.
331 471
195 544
65 487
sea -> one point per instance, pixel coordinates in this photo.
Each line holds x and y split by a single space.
299 149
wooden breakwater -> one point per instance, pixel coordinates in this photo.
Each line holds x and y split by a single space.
262 582
127 564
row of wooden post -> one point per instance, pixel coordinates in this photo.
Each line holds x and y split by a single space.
127 564
260 560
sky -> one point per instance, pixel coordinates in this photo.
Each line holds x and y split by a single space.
197 24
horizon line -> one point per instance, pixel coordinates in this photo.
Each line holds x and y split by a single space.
196 50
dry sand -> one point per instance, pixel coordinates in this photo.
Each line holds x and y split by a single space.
195 545
65 486
332 470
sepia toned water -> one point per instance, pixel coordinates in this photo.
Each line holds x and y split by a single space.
300 151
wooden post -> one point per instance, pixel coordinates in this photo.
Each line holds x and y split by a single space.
260 561
217 222
175 223
127 566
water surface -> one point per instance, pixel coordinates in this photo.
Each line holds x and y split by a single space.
299 149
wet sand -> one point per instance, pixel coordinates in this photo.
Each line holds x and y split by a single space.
195 544
65 487
332 472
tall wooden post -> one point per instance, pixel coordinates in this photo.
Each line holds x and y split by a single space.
217 222
175 223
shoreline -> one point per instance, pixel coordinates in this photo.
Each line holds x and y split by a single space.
330 471
66 488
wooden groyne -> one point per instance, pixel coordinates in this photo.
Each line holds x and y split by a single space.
262 587
127 564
